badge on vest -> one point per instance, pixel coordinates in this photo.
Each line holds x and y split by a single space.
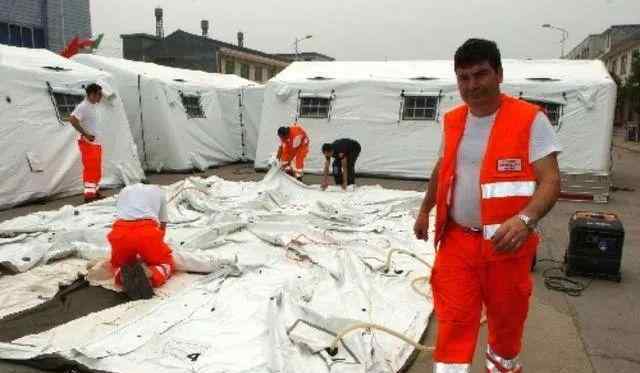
509 165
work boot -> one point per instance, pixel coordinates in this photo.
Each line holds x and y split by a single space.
299 178
135 282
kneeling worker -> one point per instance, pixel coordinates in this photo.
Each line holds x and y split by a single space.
139 256
294 147
345 153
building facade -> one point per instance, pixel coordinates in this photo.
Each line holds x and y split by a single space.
49 24
616 47
199 52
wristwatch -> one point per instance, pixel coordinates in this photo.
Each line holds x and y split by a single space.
528 221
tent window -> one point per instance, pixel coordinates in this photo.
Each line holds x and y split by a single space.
551 109
420 107
315 107
65 104
192 106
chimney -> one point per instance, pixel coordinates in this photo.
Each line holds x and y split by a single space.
204 24
241 39
159 26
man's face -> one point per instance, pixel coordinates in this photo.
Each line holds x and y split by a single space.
328 153
479 84
94 98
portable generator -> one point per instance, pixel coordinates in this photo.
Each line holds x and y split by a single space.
595 245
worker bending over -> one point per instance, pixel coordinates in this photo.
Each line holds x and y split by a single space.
140 257
85 120
497 176
294 147
345 153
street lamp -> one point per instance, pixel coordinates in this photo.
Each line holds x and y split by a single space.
565 36
298 40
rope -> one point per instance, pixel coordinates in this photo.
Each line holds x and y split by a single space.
343 333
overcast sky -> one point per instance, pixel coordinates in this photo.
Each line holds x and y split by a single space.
372 29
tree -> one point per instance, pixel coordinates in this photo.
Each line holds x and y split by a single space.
631 87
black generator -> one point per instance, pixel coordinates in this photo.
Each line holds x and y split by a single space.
595 245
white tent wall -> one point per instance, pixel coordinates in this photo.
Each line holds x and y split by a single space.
40 156
252 100
167 137
366 106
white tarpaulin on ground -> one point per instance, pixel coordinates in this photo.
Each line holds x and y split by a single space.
185 119
40 155
394 110
287 268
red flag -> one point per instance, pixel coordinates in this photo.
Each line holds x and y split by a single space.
75 45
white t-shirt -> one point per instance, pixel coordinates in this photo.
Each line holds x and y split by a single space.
85 112
465 207
140 201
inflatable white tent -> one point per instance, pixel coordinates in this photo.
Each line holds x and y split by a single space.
185 119
394 108
40 155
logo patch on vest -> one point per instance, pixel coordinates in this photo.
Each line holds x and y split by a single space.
509 165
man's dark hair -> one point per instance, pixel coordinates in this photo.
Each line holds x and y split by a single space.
327 147
477 51
283 131
93 88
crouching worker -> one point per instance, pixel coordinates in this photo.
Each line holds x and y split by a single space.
294 147
345 153
139 256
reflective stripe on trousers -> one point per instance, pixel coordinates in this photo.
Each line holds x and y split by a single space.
497 364
451 368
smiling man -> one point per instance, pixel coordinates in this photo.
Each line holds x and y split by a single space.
497 176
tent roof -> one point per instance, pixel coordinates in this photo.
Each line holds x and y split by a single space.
41 61
441 71
166 73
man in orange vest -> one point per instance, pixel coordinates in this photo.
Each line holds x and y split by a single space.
496 177
294 147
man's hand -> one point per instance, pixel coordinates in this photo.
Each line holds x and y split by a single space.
421 226
511 235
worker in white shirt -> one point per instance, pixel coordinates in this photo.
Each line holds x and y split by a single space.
139 256
84 120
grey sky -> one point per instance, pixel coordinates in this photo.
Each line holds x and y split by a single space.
372 29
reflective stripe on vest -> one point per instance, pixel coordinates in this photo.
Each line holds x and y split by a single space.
508 189
451 368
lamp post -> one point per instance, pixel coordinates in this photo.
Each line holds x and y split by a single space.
565 36
295 43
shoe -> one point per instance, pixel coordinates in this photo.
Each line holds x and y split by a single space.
299 178
135 282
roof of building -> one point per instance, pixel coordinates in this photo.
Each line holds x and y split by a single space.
303 55
160 48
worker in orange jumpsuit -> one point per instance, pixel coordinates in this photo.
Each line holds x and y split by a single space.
85 120
294 147
139 256
496 177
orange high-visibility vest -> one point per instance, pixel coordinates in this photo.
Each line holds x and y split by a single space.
297 138
507 179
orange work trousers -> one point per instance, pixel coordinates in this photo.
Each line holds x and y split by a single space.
463 278
91 155
298 161
143 240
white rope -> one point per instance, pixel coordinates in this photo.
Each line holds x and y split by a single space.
401 336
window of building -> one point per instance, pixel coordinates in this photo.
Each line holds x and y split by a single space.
65 104
420 107
4 33
623 65
230 67
258 74
27 37
244 71
553 110
272 72
15 36
39 40
314 107
192 106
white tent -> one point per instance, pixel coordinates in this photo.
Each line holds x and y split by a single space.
40 156
185 119
394 108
